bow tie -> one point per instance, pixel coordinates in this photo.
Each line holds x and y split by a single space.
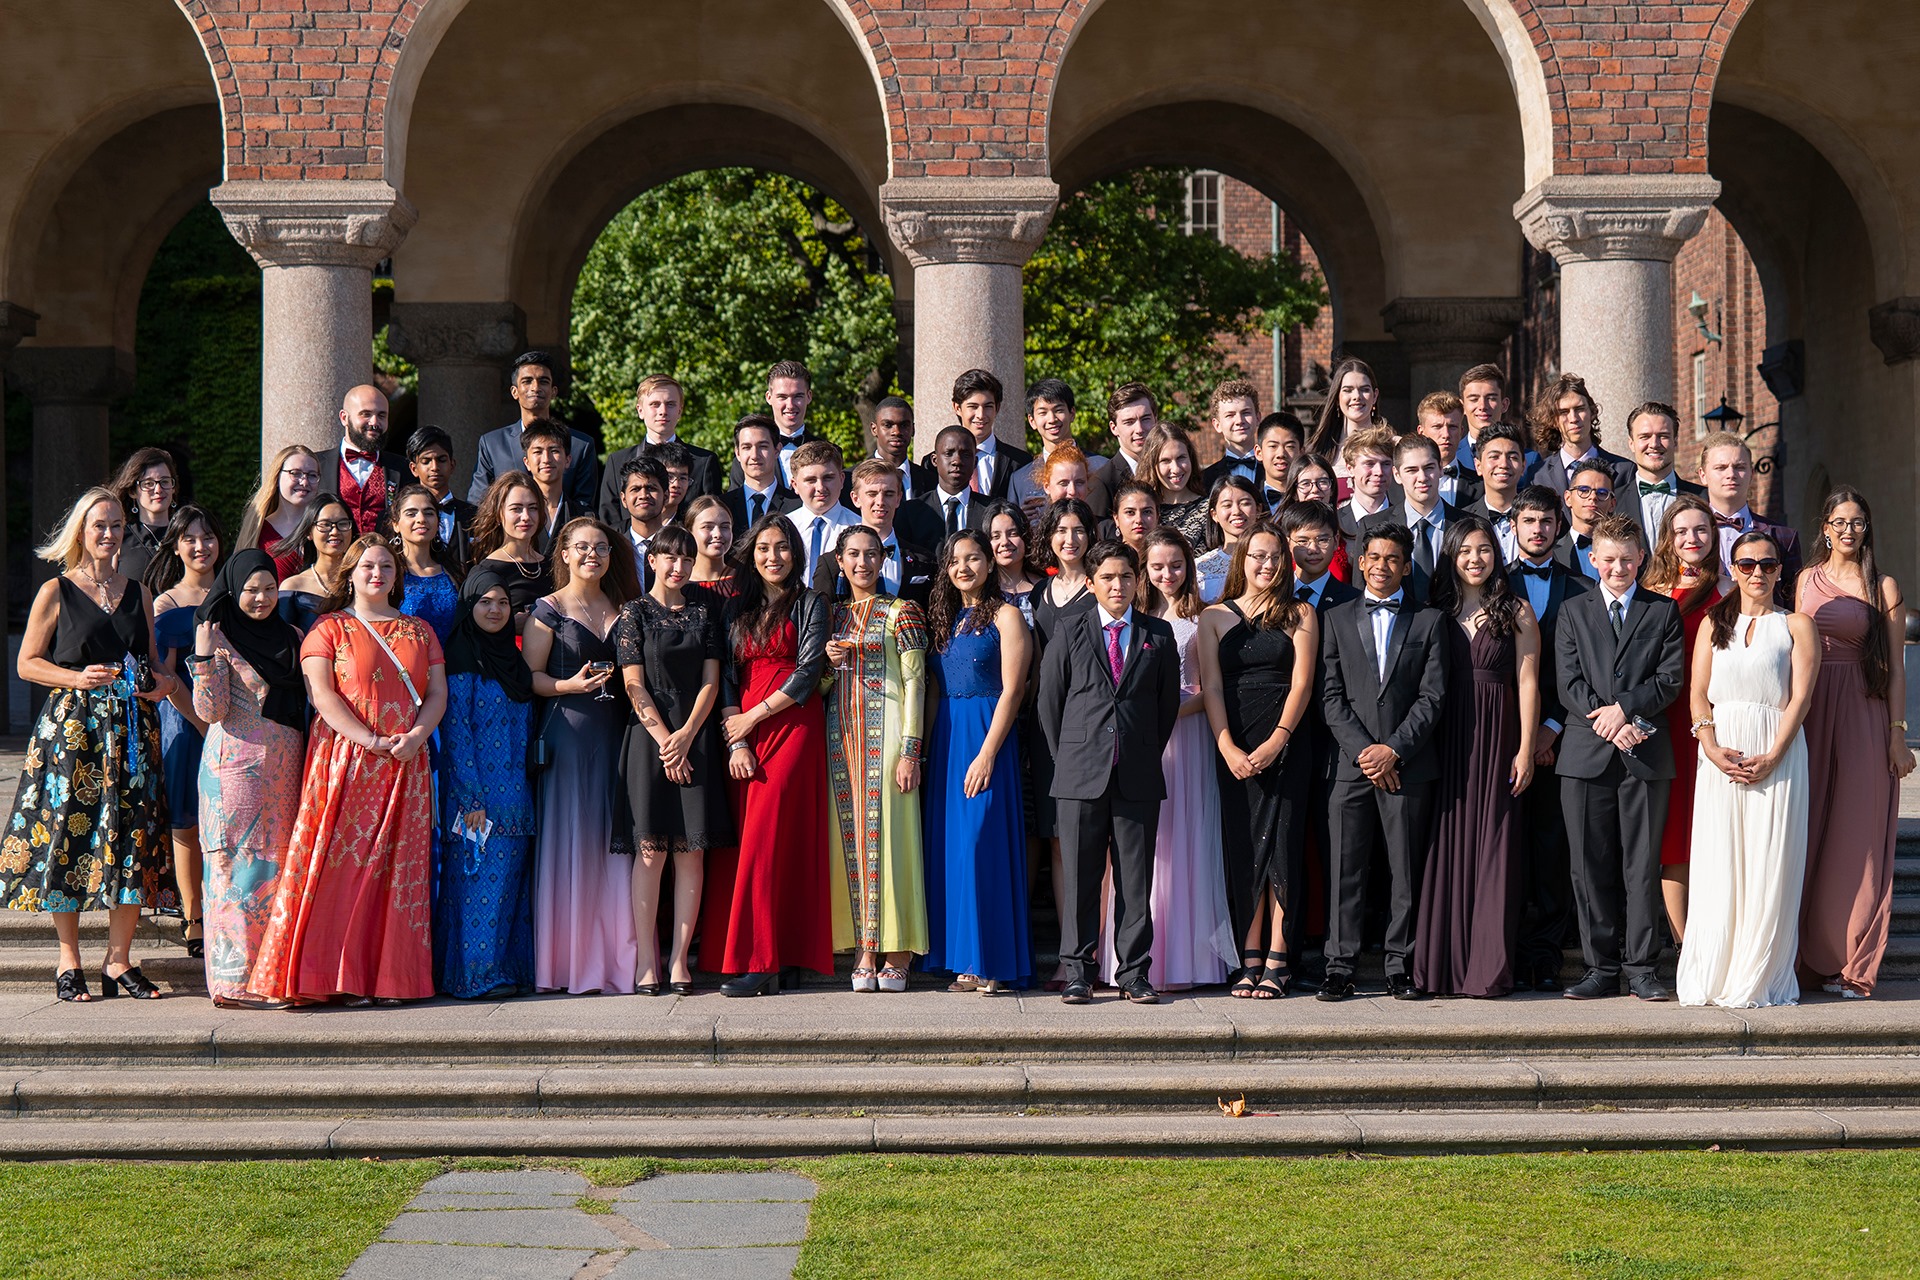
1451 472
1656 486
1727 522
1391 606
356 455
1582 541
1534 570
1274 496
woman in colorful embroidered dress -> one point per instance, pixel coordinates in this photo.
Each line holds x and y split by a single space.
768 904
249 692
89 823
351 916
875 716
483 900
179 576
431 578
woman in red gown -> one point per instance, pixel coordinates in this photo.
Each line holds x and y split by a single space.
766 904
1686 566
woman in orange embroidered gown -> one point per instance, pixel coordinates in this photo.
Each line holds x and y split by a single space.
352 915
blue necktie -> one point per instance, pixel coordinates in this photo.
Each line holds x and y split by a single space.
813 549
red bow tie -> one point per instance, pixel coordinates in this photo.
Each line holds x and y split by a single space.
1727 522
356 455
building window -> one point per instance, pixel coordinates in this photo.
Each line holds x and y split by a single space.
1203 204
1700 405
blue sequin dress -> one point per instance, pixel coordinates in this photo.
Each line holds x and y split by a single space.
180 742
435 601
483 910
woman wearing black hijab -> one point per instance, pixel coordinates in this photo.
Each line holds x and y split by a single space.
483 914
248 689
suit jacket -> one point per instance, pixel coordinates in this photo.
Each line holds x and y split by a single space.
1566 552
1102 735
1629 501
500 452
930 502
1211 474
1641 671
785 445
1562 586
1009 458
1468 486
1025 488
703 478
1403 711
1788 539
460 545
398 476
1551 472
917 568
784 500
1419 581
1326 754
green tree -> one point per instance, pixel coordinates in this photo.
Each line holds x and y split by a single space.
1118 292
715 276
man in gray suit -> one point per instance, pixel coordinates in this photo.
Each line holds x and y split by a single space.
533 388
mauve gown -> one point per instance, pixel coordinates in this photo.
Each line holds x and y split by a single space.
1854 799
1470 893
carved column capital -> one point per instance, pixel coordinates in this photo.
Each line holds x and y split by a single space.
945 220
485 333
1894 326
1601 218
306 224
1459 329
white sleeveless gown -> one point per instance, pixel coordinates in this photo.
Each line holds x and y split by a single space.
1749 842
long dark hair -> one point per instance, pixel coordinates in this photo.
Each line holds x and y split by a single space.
127 479
302 535
1329 429
167 568
620 583
438 552
1876 658
1022 527
1663 566
945 606
1188 603
1497 599
755 610
1725 613
1040 551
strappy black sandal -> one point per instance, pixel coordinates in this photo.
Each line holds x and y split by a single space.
72 986
1250 973
196 947
1275 980
132 981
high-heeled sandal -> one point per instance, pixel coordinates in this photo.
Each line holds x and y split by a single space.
196 947
72 986
1275 979
1250 974
131 981
893 978
865 980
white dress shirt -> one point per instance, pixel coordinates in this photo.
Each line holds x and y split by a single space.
943 498
1502 522
1567 459
1625 601
1653 506
1126 633
891 569
1729 535
1361 511
358 468
906 476
640 547
986 458
1381 620
829 522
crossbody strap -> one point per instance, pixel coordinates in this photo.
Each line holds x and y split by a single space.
399 666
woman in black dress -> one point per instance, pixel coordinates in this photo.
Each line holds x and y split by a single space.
1257 650
671 643
509 519
1470 890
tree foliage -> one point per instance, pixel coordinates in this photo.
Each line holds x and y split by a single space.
1118 292
717 275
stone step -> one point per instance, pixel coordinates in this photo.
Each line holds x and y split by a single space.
1198 1132
576 1093
35 929
1906 871
31 969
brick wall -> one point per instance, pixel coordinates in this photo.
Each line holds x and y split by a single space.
1716 265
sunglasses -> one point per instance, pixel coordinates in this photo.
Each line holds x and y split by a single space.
1769 565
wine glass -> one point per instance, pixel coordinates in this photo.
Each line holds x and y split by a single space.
605 693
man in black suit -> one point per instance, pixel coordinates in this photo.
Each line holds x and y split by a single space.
1281 440
1568 413
1652 430
1618 661
976 406
430 459
1422 512
1546 883
951 501
1382 691
893 445
909 567
1726 469
1441 419
789 396
660 401
1589 499
363 475
1503 461
756 459
532 386
643 493
1109 695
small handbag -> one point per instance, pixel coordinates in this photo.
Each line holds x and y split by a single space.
539 750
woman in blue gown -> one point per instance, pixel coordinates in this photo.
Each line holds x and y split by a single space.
432 590
483 911
976 871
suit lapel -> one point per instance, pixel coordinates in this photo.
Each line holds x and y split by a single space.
1363 618
1636 609
1396 638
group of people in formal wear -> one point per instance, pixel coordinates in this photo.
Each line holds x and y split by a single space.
1469 694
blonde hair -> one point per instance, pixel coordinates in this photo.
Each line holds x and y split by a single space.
1441 402
265 502
66 547
1379 440
1724 440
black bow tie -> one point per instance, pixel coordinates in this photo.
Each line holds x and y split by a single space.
1534 570
1452 472
1275 497
1391 606
1582 541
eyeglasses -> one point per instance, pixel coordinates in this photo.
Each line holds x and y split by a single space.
333 526
1855 525
1265 557
590 551
158 486
1312 543
1590 491
299 476
1315 484
1769 565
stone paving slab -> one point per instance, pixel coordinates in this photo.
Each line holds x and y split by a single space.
708 1264
455 1262
464 1200
547 1228
732 1223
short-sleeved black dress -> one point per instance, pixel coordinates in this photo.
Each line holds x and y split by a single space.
672 646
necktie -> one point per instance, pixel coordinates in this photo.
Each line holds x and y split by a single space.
1116 656
813 548
1391 606
1304 595
953 514
1727 522
756 507
1618 612
1654 486
1423 549
1570 466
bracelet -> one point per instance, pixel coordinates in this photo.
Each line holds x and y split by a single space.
1704 722
1901 725
738 746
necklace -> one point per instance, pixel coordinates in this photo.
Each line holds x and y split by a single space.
105 593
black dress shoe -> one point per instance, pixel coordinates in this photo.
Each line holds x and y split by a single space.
752 984
1076 992
1523 980
1335 986
1594 987
1647 987
1140 991
1547 980
1401 987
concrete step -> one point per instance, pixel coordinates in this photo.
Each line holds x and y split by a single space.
576 1093
1148 1133
31 969
1906 913
1906 871
35 929
1903 958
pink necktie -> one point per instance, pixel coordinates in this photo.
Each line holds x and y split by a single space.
1116 656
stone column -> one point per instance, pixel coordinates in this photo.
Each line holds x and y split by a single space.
462 350
71 389
1615 238
16 322
1894 327
317 244
967 239
1445 337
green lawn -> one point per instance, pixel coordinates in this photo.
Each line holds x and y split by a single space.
1583 1217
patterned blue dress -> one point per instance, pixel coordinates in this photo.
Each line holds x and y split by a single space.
435 601
976 849
483 911
180 742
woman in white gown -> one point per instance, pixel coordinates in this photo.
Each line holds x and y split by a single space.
1751 686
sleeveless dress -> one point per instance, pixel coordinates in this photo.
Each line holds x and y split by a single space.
673 648
180 742
435 600
1193 942
89 823
1854 801
1263 819
976 848
1749 842
1470 892
1677 835
583 931
1047 620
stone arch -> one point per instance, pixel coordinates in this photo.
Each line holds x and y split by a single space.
1526 72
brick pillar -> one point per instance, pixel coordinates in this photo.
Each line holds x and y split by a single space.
317 243
16 322
1445 337
462 350
1615 238
71 389
967 239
